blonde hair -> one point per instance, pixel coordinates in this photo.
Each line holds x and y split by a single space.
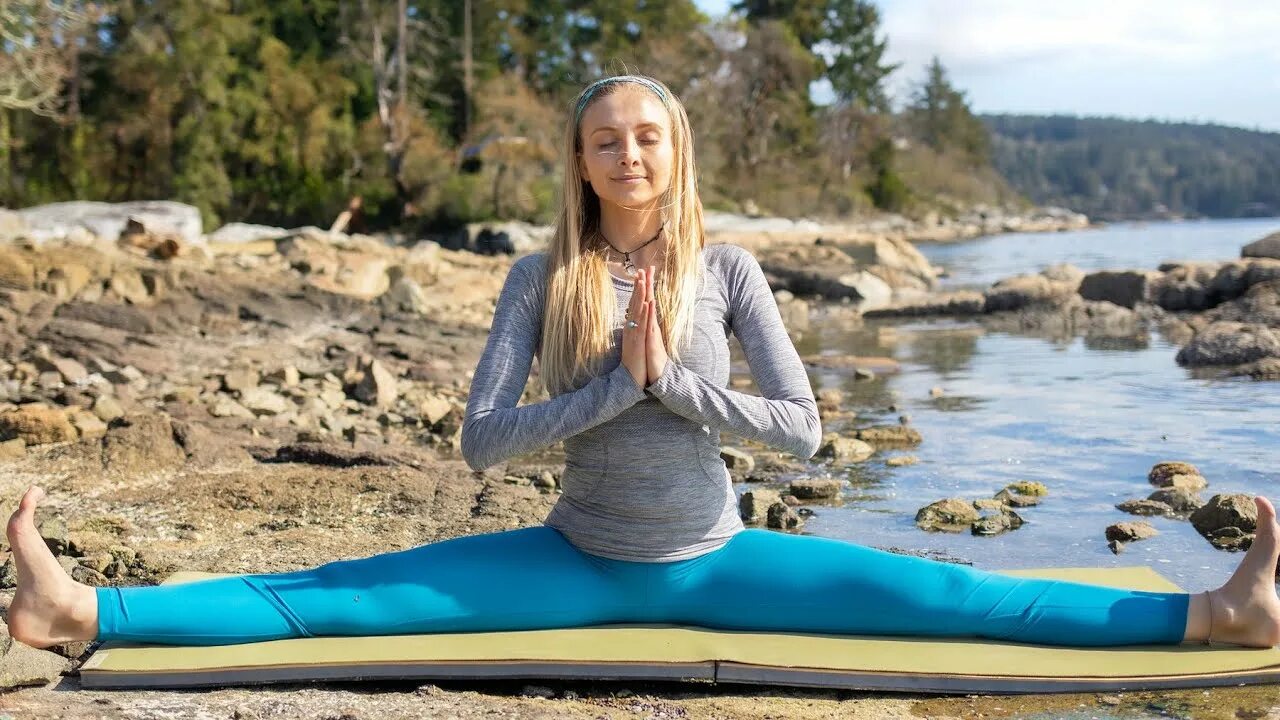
580 303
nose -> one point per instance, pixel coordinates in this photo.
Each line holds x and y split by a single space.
630 151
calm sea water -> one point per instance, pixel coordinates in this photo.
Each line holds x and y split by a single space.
1088 419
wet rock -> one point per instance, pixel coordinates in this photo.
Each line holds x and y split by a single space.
1149 508
1180 500
1230 343
1264 369
37 425
1026 291
989 504
1131 531
1028 487
902 460
815 489
1181 475
829 402
949 515
1124 288
754 504
843 449
1226 511
889 436
1016 499
1230 539
781 516
737 460
996 522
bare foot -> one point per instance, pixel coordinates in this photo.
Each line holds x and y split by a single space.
1246 610
49 607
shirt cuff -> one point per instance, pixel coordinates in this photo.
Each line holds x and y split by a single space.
663 385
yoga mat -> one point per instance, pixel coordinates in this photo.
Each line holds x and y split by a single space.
682 652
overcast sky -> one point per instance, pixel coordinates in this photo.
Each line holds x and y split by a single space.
1185 60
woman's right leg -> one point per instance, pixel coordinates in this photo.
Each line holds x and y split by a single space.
527 578
523 579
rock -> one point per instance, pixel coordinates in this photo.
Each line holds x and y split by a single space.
1147 508
1015 499
737 460
37 425
15 271
1179 475
1181 500
377 386
889 436
754 504
141 444
1231 539
1130 531
846 450
1222 511
240 380
107 408
22 665
1026 291
406 295
949 515
781 516
999 521
902 460
1267 247
88 425
13 449
262 401
226 407
815 489
55 535
872 292
1125 288
434 408
287 376
1230 343
69 220
1028 487
238 233
71 371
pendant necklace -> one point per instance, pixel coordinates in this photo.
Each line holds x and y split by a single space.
627 266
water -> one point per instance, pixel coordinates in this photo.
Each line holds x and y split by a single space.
1125 246
1088 419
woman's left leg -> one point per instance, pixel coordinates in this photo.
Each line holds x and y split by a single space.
771 581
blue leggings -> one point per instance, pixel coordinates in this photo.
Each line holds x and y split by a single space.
533 578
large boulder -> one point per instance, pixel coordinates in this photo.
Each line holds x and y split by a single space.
1230 343
1027 291
1267 247
72 220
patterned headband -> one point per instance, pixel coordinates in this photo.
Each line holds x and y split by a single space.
591 90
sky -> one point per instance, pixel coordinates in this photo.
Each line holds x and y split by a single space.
1172 60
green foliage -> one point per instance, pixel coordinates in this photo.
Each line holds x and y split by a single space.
939 115
887 190
1113 168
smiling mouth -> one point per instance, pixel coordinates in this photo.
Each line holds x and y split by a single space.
624 179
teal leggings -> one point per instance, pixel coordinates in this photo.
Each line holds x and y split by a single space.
533 578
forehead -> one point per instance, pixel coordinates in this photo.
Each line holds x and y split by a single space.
625 107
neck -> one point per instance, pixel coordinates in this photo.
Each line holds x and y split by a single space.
627 229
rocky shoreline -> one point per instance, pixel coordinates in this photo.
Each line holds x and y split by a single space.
265 403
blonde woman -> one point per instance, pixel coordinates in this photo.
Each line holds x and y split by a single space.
629 312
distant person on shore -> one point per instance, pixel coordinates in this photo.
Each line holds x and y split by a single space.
628 312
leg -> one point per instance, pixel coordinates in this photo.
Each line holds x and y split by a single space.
518 579
832 586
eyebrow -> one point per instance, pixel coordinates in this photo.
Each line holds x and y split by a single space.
641 126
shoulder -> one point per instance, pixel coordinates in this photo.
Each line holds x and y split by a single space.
529 270
733 264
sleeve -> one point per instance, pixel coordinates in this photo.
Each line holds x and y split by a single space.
787 416
493 428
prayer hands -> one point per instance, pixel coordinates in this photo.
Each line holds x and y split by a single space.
643 351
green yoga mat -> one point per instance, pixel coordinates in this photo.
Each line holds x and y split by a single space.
681 652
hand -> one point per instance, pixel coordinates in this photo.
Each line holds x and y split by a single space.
633 339
655 348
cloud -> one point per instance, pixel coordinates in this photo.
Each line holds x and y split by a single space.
1170 59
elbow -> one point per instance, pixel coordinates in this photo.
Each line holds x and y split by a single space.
811 438
472 451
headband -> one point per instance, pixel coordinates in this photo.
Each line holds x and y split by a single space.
591 90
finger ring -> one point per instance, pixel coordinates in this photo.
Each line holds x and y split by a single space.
633 324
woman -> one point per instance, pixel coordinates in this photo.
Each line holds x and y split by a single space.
647 528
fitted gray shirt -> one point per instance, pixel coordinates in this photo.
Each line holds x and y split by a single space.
643 477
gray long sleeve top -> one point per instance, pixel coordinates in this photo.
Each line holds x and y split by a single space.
643 478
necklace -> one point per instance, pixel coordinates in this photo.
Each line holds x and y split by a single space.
627 266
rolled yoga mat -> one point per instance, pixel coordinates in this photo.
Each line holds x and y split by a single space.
682 652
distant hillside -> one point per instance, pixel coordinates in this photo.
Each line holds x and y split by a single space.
1110 168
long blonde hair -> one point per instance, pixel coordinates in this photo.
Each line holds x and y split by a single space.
580 302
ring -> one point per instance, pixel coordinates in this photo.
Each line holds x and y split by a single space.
633 324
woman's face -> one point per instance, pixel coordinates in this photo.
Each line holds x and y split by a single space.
627 150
